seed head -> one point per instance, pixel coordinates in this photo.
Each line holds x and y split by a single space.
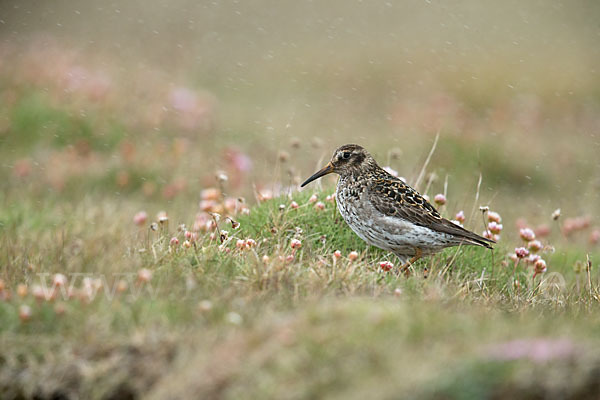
556 214
222 177
162 217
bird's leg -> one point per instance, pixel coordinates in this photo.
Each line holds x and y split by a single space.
404 268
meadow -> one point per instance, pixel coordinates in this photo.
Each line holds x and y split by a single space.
154 242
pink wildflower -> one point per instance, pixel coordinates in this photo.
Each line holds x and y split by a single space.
527 234
521 252
439 199
140 218
386 265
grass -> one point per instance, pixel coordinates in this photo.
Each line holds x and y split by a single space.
304 327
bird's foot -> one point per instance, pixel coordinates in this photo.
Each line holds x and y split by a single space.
406 267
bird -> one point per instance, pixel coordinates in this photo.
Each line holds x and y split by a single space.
387 213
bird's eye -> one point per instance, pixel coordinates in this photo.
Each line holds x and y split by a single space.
346 155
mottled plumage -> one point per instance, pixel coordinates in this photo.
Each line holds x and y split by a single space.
386 212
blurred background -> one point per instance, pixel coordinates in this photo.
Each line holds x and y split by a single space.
114 112
150 99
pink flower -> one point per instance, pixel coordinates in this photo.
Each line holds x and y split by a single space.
59 280
460 216
144 275
540 267
313 199
494 217
295 244
210 194
595 236
250 243
191 236
337 254
140 218
183 99
38 292
542 230
538 350
495 227
439 199
353 256
174 241
22 290
293 205
535 246
240 244
521 252
24 313
386 265
527 234
319 205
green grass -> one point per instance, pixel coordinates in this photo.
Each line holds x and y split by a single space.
310 327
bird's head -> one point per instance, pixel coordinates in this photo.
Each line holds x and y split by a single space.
347 160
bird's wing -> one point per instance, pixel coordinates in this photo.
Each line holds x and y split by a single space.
392 197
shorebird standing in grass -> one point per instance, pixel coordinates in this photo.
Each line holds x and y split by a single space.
387 213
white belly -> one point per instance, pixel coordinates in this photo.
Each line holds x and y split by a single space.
386 232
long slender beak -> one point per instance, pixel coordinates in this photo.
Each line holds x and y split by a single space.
326 170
